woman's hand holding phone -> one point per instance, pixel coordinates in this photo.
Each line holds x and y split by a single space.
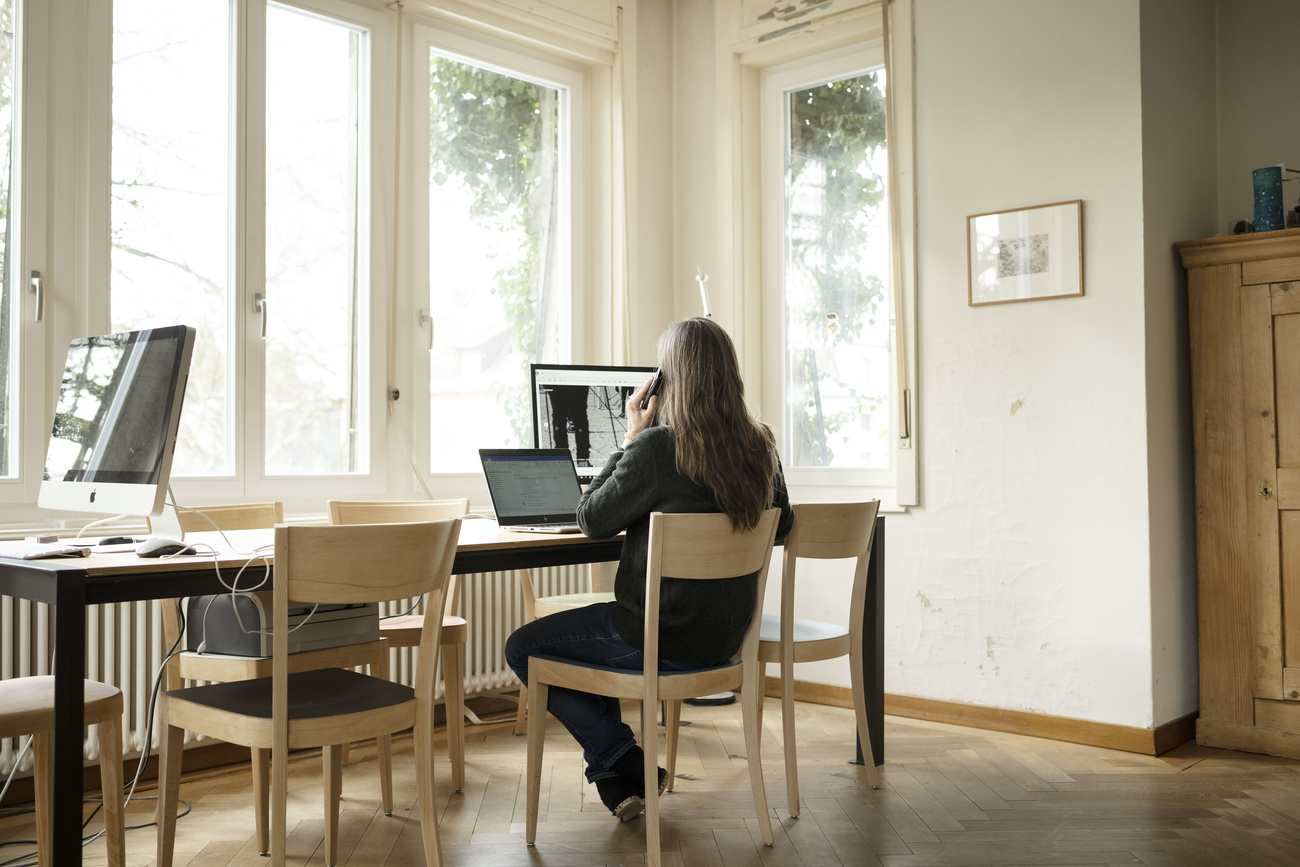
642 404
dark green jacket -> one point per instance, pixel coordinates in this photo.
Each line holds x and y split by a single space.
700 622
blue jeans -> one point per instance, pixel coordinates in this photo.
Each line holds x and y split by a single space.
584 635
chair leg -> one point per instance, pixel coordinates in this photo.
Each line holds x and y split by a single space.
332 783
169 784
650 750
453 679
43 760
536 742
347 749
521 712
672 727
424 787
751 695
261 803
384 744
110 782
279 789
856 675
787 735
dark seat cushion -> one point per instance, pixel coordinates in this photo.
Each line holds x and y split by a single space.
312 694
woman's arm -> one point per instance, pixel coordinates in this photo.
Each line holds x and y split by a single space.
625 490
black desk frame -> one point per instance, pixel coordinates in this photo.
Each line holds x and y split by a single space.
66 585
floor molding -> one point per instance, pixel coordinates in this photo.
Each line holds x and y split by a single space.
1149 742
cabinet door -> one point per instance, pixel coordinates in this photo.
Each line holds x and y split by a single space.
1271 348
1285 306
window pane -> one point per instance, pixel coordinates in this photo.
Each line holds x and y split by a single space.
170 202
495 254
316 256
11 294
837 276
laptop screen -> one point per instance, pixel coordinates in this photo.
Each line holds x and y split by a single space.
531 485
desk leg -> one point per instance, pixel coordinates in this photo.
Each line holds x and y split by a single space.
69 717
873 646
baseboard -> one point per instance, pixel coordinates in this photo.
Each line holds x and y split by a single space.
1151 742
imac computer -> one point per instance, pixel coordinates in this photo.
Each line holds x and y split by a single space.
114 432
582 408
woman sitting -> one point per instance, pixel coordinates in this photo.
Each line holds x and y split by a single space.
707 455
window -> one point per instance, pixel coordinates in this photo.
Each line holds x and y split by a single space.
496 284
11 289
829 275
240 205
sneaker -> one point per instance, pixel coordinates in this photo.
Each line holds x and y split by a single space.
619 798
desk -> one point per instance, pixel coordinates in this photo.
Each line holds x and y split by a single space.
71 585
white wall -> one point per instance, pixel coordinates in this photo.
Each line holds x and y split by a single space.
1023 582
1179 202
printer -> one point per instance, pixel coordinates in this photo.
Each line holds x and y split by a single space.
215 622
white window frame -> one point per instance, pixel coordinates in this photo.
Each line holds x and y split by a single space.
521 62
752 57
28 249
776 82
249 479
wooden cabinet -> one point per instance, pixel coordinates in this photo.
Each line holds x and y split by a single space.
1244 313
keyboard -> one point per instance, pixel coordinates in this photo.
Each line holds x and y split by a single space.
20 549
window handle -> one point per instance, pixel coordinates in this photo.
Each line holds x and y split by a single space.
426 319
259 306
36 284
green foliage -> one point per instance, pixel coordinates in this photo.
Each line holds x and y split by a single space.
837 128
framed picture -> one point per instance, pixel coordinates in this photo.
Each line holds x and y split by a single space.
1026 254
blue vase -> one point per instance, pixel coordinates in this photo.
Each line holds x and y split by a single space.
1268 199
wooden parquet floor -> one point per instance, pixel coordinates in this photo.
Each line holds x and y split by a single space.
950 797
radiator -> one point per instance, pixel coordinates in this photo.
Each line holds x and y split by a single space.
124 647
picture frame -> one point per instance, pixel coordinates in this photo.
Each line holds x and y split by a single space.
1025 254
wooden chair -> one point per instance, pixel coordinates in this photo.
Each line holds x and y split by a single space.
822 531
216 668
27 707
404 630
539 606
323 708
683 546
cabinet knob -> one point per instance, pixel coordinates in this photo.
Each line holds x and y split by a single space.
1266 490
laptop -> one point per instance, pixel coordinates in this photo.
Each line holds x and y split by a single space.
533 490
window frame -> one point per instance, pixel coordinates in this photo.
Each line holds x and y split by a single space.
248 478
776 82
523 62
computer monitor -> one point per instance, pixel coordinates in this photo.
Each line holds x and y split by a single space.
582 408
114 432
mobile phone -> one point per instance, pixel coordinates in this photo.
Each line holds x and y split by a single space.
654 388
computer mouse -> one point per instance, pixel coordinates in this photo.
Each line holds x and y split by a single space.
161 546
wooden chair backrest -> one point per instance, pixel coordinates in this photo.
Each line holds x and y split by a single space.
232 516
395 511
360 563
705 547
829 531
403 512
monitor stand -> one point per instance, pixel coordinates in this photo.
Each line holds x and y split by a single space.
167 524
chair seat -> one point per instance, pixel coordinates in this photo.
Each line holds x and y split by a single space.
804 630
663 672
312 694
27 704
404 629
551 604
